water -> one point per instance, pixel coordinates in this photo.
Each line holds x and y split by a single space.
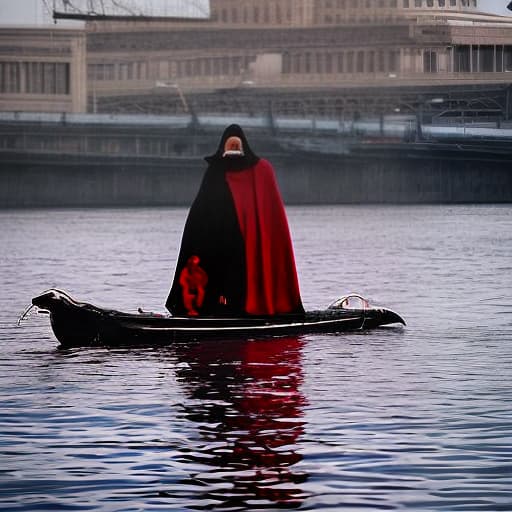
418 418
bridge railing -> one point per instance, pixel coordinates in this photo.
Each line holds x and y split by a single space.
169 136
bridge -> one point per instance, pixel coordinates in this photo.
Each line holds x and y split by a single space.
98 159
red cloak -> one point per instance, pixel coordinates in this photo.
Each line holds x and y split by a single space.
272 284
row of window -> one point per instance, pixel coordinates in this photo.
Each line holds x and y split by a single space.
119 71
482 59
265 13
465 59
277 12
163 70
342 62
304 62
439 3
370 4
34 77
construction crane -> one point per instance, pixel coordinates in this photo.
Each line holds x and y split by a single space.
128 9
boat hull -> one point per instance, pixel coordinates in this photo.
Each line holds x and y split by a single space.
82 324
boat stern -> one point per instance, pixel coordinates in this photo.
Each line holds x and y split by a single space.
374 316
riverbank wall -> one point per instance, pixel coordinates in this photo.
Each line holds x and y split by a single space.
70 165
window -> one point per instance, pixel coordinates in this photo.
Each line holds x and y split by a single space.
394 59
360 62
266 14
123 71
49 78
319 63
487 59
108 71
216 66
63 78
35 77
381 62
328 63
430 61
507 58
225 66
341 63
499 61
371 62
462 59
350 62
287 64
307 62
10 77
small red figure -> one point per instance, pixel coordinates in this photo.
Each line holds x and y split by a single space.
193 280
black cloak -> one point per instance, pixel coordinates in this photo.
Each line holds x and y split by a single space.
212 232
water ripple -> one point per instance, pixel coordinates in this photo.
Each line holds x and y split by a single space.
393 419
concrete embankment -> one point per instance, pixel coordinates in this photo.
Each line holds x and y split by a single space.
374 177
67 164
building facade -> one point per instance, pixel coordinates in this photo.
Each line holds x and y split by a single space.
292 45
257 52
329 12
42 69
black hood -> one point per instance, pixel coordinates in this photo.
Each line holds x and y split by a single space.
247 160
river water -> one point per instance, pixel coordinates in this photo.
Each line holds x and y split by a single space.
414 418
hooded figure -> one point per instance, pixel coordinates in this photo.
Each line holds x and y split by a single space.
238 234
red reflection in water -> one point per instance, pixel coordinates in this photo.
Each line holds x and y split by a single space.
249 415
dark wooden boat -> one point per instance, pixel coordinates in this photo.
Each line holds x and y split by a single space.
81 324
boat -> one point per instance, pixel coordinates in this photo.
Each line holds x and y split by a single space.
78 324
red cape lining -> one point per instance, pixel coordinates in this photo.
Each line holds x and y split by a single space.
272 284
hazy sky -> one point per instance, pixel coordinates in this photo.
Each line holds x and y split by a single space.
36 11
499 6
32 11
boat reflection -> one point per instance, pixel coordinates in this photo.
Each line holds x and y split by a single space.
245 399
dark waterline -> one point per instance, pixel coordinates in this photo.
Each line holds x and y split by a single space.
394 419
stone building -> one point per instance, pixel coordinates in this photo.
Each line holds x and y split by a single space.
42 69
303 57
329 12
294 57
